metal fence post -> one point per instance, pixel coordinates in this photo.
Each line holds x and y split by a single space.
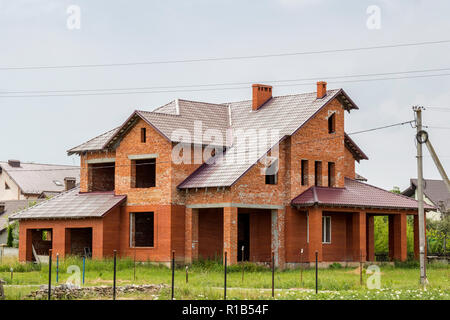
173 273
187 274
84 267
317 272
50 252
242 261
273 274
114 278
225 278
360 269
134 264
301 266
57 267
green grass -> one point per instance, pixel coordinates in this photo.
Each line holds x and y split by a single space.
400 281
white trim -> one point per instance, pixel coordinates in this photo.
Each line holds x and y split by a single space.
324 229
100 160
142 156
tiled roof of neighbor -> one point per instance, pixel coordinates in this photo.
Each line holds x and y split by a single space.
435 190
286 114
72 205
35 178
355 194
12 206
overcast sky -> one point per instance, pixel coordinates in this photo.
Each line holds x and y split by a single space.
35 33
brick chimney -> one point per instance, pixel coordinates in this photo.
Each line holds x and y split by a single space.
321 89
261 94
14 163
69 183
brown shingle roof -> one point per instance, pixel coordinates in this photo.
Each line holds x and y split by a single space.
355 194
35 178
72 205
285 114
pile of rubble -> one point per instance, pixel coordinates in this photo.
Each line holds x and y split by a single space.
69 291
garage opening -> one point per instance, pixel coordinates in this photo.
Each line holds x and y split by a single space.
101 176
80 241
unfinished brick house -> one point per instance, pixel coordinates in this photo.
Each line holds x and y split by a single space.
136 198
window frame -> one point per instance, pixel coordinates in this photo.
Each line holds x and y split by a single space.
135 165
274 163
332 123
324 229
143 135
304 179
132 222
331 174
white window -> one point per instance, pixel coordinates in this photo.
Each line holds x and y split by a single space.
326 229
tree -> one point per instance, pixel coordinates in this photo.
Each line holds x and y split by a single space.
10 237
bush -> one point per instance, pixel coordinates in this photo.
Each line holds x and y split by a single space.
10 237
335 265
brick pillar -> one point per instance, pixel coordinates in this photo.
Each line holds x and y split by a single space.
416 237
370 238
25 242
400 243
230 236
278 236
191 234
359 236
59 241
315 234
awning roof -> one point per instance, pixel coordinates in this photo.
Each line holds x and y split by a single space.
72 205
355 194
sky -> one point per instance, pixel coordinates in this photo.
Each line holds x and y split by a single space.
38 33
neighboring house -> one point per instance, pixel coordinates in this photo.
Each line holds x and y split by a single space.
6 209
21 181
435 193
297 192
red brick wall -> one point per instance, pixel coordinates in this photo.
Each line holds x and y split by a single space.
210 233
337 249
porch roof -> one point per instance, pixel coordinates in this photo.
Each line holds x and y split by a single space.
72 205
355 194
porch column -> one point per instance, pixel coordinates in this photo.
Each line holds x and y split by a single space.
230 235
278 236
315 234
359 236
25 243
400 242
370 238
191 233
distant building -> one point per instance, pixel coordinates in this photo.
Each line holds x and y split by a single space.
22 181
6 209
435 193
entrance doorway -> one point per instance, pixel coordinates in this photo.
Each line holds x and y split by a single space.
243 236
81 241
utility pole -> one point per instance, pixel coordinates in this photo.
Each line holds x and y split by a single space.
423 275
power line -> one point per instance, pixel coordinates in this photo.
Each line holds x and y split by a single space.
216 89
159 162
227 58
229 83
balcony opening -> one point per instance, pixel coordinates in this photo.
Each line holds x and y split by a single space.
143 173
101 176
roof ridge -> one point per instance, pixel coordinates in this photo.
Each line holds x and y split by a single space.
44 164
